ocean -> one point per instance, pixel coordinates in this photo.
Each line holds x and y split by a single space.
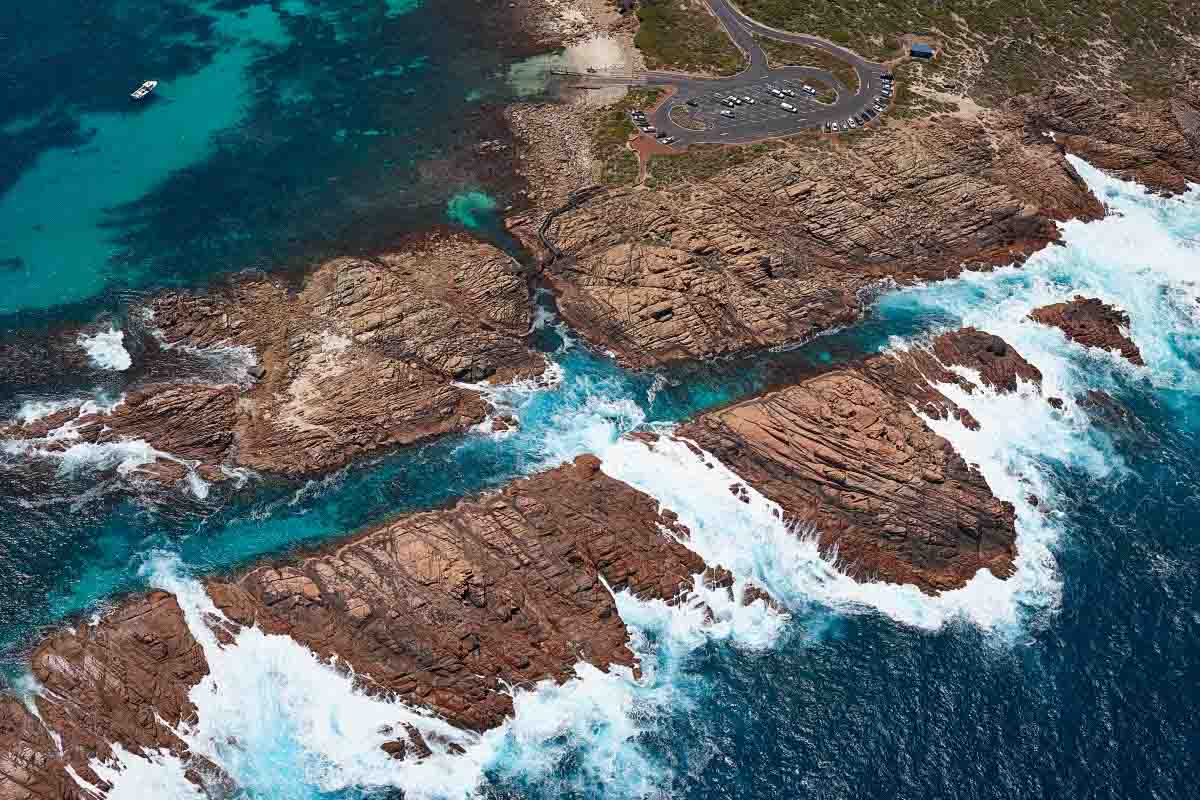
1076 677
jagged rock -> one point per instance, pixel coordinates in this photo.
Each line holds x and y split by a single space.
778 249
109 683
30 767
1093 324
437 608
368 354
1153 142
845 452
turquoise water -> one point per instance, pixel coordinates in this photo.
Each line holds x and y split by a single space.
279 133
1074 678
286 131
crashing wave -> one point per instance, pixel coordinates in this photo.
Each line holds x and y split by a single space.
106 349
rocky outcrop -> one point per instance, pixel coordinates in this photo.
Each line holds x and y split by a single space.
436 608
368 354
113 682
1153 142
846 453
30 767
1092 323
779 248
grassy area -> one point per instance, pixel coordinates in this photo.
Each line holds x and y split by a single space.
997 49
908 104
611 128
703 161
781 54
682 116
683 35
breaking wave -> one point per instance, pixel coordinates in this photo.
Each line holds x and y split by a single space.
316 734
106 349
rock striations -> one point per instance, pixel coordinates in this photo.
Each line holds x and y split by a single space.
441 608
779 248
368 354
847 453
436 608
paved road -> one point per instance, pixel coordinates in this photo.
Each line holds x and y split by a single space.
764 118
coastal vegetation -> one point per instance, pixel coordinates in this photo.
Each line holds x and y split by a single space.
704 161
610 129
1020 46
683 35
786 54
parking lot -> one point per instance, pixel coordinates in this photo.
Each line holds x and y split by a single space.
766 106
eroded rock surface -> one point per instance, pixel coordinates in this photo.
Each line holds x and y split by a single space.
778 249
436 608
1153 142
368 354
846 453
1092 323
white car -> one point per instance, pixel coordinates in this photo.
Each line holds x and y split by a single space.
791 109
776 92
749 100
728 114
789 92
809 89
850 123
834 127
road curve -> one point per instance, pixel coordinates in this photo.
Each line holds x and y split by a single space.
763 118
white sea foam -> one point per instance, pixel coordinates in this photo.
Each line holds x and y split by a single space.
753 542
314 730
509 398
157 774
106 349
33 410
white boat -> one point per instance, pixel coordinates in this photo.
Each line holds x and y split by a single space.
143 90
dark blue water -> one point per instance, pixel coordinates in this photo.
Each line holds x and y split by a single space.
285 132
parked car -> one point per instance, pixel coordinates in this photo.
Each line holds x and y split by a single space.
749 100
737 100
788 107
809 89
789 92
833 126
692 103
776 92
727 113
850 123
648 129
668 140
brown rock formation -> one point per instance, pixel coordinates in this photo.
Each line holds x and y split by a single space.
1092 324
777 249
436 608
110 683
366 355
845 452
1153 142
